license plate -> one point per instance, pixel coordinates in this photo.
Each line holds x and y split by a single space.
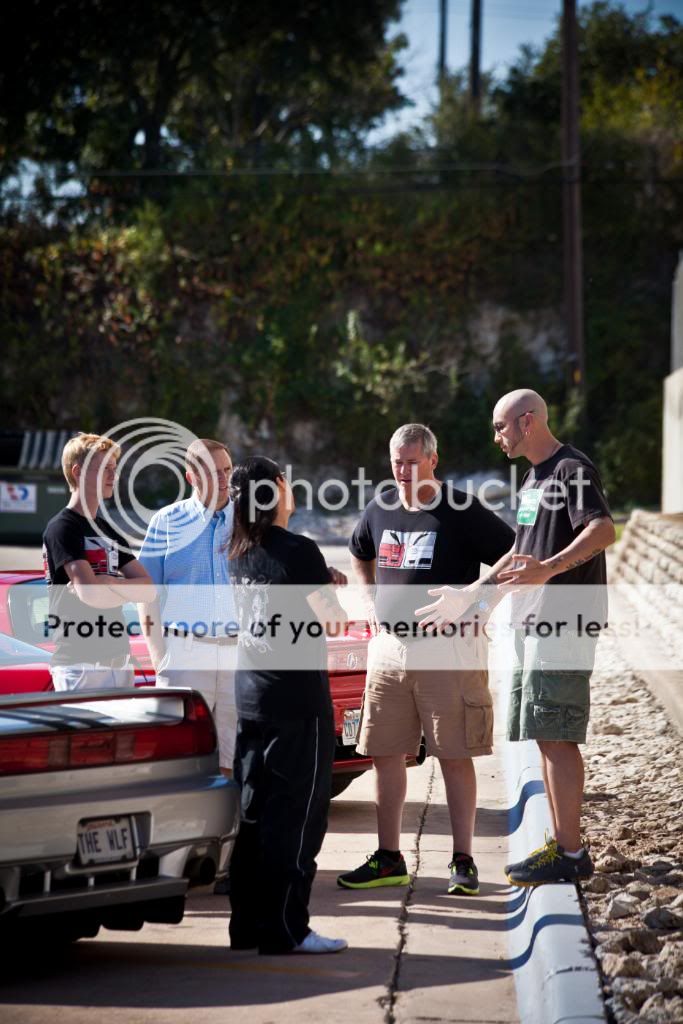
106 841
350 727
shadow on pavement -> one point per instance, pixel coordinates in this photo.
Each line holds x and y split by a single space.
145 975
181 976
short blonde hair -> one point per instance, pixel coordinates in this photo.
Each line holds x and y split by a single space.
196 454
77 449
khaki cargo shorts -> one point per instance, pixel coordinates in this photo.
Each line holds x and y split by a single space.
550 696
410 691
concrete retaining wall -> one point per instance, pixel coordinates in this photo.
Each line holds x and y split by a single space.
672 446
651 552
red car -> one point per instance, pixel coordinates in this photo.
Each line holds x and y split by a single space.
23 667
23 613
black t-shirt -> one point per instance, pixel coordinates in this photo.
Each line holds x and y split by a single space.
557 499
282 656
425 548
81 633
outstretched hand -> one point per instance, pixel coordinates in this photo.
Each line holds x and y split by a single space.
447 609
531 572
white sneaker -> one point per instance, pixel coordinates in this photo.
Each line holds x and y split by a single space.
314 943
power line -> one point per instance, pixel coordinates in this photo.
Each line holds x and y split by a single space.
370 189
331 173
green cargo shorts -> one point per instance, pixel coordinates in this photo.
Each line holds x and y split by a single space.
550 697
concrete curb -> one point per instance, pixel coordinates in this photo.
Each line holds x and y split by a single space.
556 976
555 973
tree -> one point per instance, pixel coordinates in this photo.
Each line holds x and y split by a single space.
96 85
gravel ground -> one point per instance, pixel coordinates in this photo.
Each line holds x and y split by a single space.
633 820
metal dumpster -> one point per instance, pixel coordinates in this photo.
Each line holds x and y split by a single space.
32 486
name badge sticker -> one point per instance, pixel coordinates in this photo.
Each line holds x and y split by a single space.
528 506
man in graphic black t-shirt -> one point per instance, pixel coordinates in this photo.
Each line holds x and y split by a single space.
415 536
90 573
556 572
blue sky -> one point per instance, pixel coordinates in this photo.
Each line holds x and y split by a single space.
506 25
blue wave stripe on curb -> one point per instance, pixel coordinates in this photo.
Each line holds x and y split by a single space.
556 977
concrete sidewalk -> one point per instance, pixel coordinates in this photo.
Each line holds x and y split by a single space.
434 956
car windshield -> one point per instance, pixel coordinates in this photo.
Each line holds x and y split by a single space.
16 652
29 608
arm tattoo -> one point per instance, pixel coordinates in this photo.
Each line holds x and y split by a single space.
557 560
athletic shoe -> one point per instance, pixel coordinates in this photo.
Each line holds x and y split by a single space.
553 865
377 870
314 943
548 839
464 880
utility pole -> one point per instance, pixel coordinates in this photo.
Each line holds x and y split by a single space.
443 32
571 203
475 57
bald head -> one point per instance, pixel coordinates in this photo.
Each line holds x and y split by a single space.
520 426
517 403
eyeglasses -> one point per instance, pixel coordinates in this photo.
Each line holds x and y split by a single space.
498 428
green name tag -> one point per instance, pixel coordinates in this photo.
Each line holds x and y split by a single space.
528 506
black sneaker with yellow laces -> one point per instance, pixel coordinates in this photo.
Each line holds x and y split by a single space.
464 880
534 855
551 865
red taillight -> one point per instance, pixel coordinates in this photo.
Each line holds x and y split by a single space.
192 736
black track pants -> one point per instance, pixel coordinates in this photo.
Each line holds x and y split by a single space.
284 772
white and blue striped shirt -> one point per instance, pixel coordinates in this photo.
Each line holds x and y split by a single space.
185 551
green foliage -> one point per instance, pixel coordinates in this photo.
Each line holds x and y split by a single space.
350 302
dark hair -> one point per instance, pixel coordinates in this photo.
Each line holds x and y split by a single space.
251 491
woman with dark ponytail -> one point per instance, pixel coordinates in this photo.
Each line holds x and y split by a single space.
285 731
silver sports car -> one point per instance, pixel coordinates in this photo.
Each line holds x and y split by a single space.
111 806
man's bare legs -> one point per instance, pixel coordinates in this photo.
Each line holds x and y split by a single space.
564 779
461 793
546 783
391 782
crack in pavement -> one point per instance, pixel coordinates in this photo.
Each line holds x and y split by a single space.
389 1000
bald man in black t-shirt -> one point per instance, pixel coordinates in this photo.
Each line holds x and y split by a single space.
556 573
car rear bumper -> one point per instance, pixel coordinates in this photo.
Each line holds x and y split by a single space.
112 895
185 838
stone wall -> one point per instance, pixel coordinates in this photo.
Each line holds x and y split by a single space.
650 549
647 564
